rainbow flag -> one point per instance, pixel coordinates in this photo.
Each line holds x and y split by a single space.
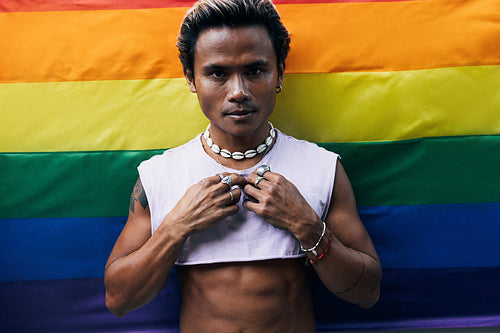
408 92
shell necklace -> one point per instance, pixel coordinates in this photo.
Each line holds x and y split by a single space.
239 155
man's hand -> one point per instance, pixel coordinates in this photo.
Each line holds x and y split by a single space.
278 201
206 202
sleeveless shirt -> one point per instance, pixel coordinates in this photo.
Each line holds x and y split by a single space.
244 236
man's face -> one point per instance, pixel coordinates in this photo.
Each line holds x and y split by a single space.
235 77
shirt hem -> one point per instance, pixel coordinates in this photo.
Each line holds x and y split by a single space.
228 260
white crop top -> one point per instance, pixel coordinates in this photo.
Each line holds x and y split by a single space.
244 236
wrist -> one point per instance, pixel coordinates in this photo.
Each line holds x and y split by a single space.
310 235
175 229
324 251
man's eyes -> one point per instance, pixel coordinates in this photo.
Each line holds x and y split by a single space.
251 72
255 71
217 74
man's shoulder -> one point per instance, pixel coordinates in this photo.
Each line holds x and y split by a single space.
302 146
186 150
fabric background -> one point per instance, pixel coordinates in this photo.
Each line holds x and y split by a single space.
407 92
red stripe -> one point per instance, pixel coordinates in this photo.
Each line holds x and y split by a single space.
285 2
65 5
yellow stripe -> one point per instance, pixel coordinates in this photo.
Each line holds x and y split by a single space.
97 115
338 37
342 107
351 107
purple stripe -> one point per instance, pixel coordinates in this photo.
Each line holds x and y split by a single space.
418 298
77 305
411 298
451 322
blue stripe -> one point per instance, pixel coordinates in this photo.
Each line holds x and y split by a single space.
410 298
59 248
405 237
427 236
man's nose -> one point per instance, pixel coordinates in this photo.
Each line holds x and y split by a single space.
238 89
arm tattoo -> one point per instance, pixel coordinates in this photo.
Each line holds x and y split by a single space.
139 195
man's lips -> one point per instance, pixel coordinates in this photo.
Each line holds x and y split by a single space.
239 113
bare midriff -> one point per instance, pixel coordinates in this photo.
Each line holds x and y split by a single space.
263 296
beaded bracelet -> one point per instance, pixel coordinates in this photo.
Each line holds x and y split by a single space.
313 249
311 261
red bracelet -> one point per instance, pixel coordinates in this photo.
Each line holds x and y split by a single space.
311 261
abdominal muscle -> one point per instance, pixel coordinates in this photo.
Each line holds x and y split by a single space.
260 296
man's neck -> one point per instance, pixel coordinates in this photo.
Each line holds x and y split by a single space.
232 163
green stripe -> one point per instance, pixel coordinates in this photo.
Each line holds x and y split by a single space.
68 184
423 171
419 171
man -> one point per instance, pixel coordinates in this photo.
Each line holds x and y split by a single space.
240 208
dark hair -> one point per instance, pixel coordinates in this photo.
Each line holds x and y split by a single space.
206 14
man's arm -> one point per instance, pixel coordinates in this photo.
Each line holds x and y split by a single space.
139 264
349 267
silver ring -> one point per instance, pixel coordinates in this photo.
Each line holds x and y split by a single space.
232 197
257 181
220 176
262 170
226 180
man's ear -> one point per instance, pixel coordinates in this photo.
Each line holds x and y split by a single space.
281 73
190 81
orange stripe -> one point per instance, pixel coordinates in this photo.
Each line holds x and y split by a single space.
140 44
89 45
393 36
